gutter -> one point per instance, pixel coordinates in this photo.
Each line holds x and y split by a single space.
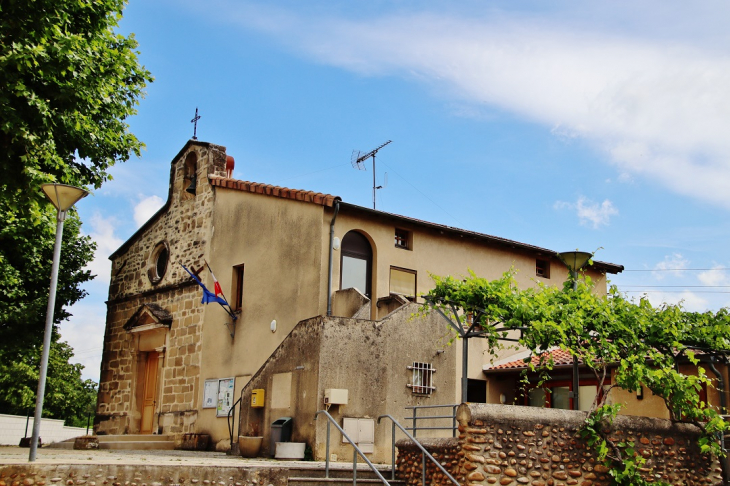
332 251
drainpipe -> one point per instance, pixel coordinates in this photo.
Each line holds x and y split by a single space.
332 251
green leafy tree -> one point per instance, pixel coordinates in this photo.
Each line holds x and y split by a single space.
69 82
643 344
67 397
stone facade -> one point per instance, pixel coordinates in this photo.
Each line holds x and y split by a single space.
509 445
39 474
182 227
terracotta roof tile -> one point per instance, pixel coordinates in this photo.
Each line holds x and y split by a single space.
275 191
560 358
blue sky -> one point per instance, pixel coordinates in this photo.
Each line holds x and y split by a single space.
561 124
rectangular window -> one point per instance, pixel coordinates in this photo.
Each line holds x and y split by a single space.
403 282
422 379
402 239
542 268
237 287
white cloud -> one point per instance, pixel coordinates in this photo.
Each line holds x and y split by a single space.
146 208
658 107
690 301
85 333
671 265
716 277
102 232
590 213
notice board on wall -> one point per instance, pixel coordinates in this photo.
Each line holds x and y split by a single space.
218 394
225 396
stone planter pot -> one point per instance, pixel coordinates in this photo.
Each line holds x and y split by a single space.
290 450
249 446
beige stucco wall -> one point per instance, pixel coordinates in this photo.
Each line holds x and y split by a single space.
441 253
279 243
368 359
289 380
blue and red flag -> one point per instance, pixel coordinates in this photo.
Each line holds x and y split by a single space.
209 296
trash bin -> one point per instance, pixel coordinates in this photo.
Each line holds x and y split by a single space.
280 432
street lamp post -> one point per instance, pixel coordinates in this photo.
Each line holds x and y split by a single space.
63 197
575 260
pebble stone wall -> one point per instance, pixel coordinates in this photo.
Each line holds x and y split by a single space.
127 475
508 445
184 226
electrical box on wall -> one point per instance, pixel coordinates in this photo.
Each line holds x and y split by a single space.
335 396
257 398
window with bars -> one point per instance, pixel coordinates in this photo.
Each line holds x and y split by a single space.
422 380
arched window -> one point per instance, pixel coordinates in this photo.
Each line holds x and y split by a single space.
357 262
190 179
158 262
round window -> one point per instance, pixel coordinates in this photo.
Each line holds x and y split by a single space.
158 267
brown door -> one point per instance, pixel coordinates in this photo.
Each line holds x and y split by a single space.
150 392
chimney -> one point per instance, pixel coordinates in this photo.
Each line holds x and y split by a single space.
230 163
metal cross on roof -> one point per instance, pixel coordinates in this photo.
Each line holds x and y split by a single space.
194 121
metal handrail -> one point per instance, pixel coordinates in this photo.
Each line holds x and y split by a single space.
356 450
231 429
415 418
424 453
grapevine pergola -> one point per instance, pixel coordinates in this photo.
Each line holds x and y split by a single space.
643 345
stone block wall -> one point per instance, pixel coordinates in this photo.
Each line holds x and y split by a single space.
183 225
180 380
508 445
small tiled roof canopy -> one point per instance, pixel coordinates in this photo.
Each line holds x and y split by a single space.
157 313
560 358
327 200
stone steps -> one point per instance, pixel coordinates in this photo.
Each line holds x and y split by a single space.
301 481
134 438
131 442
315 476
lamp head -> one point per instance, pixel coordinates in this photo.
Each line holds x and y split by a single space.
574 260
63 196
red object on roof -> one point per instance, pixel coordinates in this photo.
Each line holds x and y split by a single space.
560 358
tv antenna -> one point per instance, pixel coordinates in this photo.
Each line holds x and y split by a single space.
357 160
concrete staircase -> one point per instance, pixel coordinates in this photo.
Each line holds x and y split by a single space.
132 442
338 475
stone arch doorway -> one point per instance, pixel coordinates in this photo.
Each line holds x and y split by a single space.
356 263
